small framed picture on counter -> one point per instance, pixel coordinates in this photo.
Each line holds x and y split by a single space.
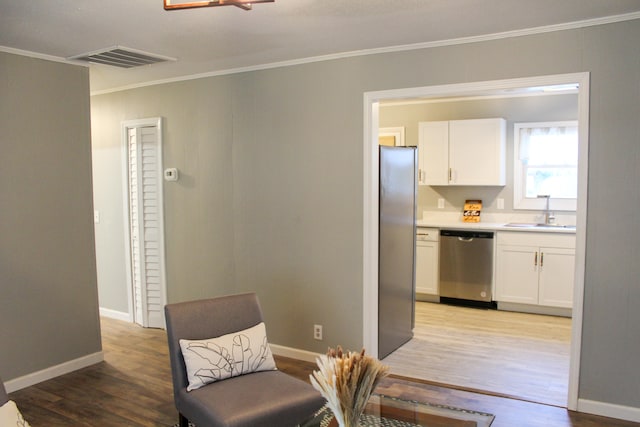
471 212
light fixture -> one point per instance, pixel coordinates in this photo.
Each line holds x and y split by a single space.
190 4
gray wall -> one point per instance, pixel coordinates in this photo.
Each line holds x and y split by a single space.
533 108
48 290
273 200
197 136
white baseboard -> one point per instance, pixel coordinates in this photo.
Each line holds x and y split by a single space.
534 309
54 371
113 314
610 410
293 353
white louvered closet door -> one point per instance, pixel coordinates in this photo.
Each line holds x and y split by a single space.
145 210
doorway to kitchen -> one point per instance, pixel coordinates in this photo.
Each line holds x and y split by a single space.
512 87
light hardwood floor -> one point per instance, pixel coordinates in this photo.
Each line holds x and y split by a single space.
520 355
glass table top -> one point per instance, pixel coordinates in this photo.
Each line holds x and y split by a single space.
393 412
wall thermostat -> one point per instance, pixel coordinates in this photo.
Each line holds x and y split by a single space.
171 174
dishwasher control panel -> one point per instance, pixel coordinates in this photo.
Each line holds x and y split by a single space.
467 234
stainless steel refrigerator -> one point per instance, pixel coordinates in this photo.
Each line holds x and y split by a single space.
397 243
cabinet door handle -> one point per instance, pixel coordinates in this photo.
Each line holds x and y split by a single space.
450 174
541 259
535 259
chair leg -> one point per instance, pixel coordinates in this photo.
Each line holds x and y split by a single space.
183 421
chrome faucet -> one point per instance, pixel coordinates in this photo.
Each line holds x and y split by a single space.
549 218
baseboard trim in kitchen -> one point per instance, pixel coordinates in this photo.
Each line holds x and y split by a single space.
535 309
469 303
610 410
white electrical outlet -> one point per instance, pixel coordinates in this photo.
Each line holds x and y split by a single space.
317 332
440 203
500 203
171 174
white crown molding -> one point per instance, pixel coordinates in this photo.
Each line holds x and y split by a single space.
390 49
41 56
415 46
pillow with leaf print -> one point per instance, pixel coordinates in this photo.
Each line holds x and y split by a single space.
227 356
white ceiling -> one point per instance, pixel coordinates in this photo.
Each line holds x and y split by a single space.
217 40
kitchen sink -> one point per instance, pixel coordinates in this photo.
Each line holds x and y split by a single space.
534 225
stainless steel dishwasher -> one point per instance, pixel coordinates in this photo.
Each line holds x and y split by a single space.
466 267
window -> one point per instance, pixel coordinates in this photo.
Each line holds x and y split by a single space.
546 162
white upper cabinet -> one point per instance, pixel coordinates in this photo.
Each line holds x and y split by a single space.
462 152
433 153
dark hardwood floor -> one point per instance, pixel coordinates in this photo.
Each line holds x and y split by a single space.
132 387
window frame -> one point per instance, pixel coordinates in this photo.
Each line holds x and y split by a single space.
520 201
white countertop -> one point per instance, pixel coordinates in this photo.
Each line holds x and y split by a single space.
493 226
495 222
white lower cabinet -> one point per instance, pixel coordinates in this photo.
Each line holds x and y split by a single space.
557 267
427 260
517 274
535 268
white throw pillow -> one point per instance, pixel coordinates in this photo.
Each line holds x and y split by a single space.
227 356
10 416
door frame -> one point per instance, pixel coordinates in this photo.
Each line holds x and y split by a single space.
125 126
370 197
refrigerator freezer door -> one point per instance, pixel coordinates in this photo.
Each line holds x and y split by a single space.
396 259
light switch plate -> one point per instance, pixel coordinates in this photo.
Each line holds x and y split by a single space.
440 203
500 203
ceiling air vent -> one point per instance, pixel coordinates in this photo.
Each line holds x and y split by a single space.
122 57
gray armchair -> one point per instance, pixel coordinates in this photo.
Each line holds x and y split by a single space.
267 398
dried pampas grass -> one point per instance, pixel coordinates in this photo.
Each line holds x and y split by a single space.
347 380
